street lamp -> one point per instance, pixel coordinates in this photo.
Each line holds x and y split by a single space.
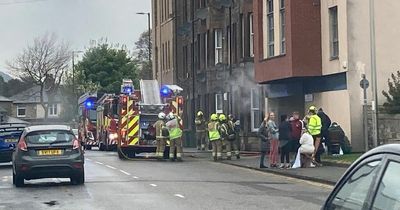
148 22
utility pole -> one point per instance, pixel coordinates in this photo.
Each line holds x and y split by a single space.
375 107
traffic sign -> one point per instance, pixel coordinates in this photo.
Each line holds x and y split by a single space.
364 83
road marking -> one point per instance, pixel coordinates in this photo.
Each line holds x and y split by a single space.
135 177
108 166
124 172
179 196
99 163
88 159
153 185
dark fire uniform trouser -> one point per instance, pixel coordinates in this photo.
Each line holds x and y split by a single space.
231 147
201 139
160 147
217 148
176 144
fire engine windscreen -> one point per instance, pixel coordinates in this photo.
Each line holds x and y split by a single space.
150 92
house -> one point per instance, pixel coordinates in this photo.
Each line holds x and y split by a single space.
314 52
5 105
26 106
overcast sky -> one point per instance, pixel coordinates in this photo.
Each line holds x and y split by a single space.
75 21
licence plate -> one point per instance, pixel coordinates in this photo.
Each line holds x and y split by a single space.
50 152
10 140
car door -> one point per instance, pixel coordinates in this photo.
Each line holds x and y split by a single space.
387 195
356 188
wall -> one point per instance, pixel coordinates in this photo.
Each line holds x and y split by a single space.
330 66
6 106
40 111
30 111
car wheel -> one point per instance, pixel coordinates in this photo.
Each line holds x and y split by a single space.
18 180
78 180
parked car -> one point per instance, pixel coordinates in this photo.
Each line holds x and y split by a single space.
48 151
9 135
372 182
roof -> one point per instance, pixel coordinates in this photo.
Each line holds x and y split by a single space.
48 127
4 99
32 95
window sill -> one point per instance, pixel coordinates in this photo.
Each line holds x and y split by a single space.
22 116
334 58
273 57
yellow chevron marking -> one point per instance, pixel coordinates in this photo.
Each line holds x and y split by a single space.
133 121
135 141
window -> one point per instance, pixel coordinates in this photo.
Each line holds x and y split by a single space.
242 37
206 49
218 45
219 103
251 33
354 192
168 56
270 28
185 62
21 111
155 2
333 32
52 110
255 109
388 195
234 43
156 61
185 11
282 22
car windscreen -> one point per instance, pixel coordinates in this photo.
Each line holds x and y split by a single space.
49 137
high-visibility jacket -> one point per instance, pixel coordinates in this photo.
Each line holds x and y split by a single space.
174 129
213 132
314 125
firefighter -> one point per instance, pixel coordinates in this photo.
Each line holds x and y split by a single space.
234 129
175 137
215 137
200 130
314 126
161 135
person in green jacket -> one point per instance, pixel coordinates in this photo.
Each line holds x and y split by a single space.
314 126
175 137
215 137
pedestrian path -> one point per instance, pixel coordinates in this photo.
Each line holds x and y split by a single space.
326 174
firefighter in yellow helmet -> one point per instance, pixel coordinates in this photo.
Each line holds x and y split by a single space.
175 137
215 137
200 130
314 126
224 131
161 135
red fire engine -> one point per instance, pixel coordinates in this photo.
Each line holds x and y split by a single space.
87 120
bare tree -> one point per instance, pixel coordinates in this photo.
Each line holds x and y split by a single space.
45 61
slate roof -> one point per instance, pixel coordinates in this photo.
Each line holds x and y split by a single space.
4 99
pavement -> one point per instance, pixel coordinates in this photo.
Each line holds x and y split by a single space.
196 183
328 174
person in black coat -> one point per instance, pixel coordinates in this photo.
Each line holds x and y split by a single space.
285 130
264 136
326 124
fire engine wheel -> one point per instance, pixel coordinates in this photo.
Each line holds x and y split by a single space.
101 146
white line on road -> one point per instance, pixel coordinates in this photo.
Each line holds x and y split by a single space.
153 185
99 163
135 177
108 166
88 159
179 196
124 172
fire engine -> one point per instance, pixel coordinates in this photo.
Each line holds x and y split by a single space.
87 120
138 111
107 122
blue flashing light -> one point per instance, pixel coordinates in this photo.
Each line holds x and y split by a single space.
89 104
165 91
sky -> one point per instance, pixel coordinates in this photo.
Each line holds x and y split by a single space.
74 21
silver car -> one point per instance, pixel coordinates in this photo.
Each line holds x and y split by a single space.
48 151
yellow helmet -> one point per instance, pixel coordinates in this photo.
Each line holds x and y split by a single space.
214 117
199 113
222 117
312 108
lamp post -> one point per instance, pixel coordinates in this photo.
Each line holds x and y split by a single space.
149 24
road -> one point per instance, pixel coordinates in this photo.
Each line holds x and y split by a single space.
196 183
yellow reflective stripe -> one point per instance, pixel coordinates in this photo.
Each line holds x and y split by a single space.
133 121
134 131
135 141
